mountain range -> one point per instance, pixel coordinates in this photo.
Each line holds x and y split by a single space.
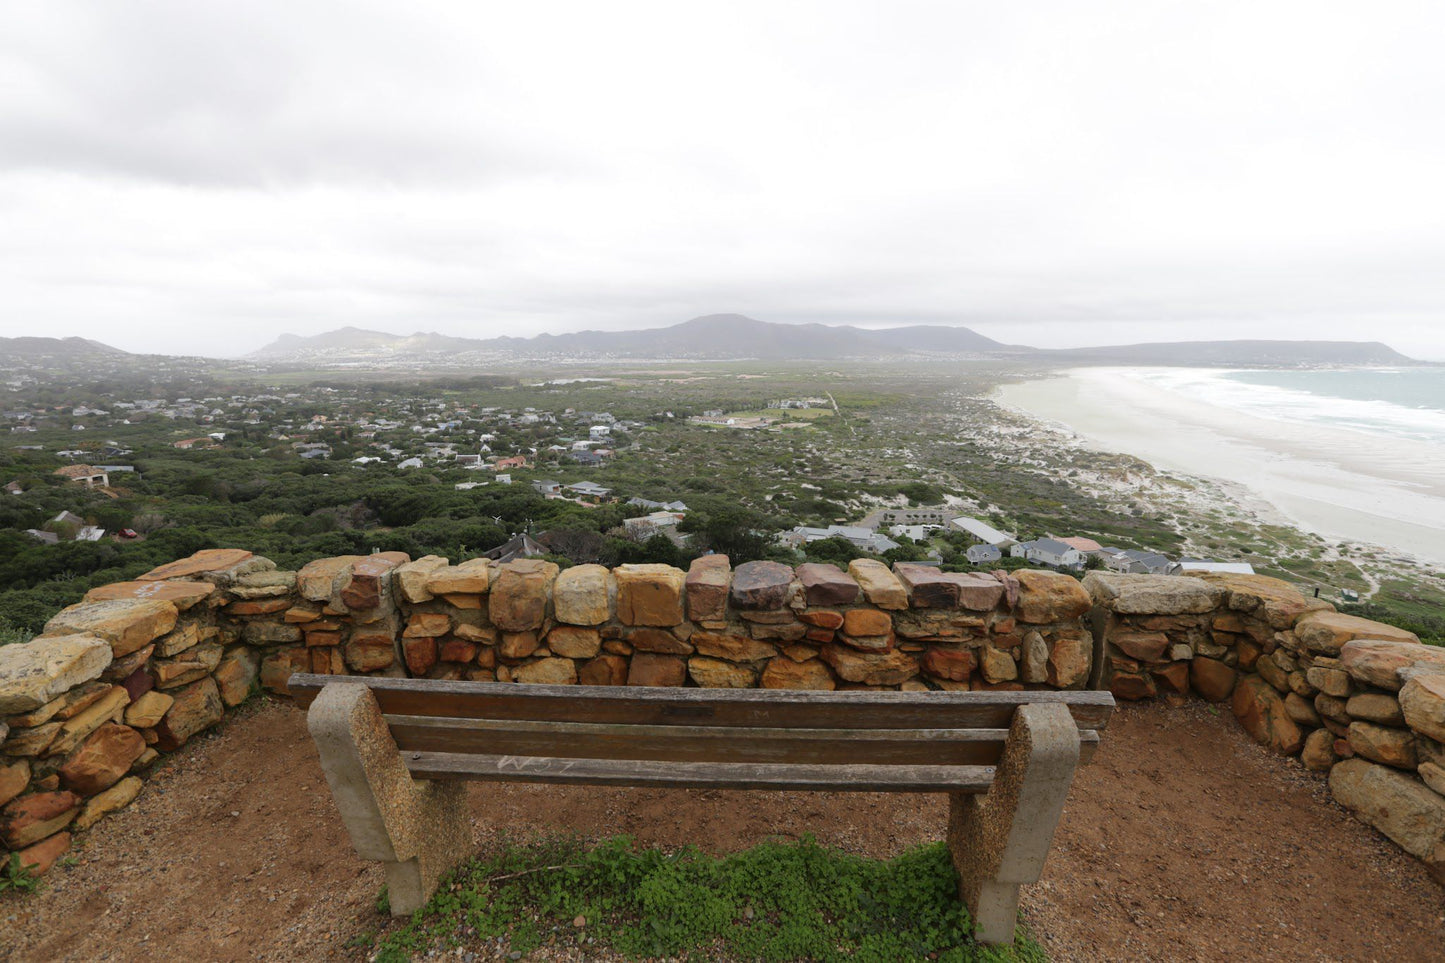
736 337
720 337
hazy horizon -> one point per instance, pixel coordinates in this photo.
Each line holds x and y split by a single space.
199 180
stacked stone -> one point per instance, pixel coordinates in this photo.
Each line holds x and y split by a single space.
1391 768
1158 636
134 670
762 625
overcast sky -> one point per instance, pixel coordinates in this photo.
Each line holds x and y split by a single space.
199 178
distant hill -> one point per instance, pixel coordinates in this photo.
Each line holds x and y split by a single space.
737 337
1227 353
56 349
714 336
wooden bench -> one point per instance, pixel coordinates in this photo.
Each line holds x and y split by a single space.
395 752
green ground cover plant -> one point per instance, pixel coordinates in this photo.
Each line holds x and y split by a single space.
775 901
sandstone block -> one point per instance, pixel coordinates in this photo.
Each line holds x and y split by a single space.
1145 646
189 666
823 618
456 650
146 712
483 635
31 818
369 585
102 759
1261 711
1381 662
277 667
720 674
706 586
1330 681
74 731
880 586
104 803
14 777
1173 677
547 672
656 670
649 594
1401 807
411 578
247 609
1130 594
870 668
761 585
657 640
997 666
1070 661
197 707
1302 711
956 665
127 624
1326 632
1274 601
1050 597
40 857
368 654
581 595
865 622
826 584
1212 679
1383 744
573 641
421 654
927 587
236 672
1035 661
1422 704
182 594
30 742
1318 754
788 674
427 625
472 577
35 673
1375 707
519 594
731 646
1132 685
604 670
220 566
271 633
322 579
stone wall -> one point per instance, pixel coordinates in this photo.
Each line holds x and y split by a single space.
140 667
1361 701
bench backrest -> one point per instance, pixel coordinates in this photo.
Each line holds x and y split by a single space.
892 740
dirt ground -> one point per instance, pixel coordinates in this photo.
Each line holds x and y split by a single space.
1183 841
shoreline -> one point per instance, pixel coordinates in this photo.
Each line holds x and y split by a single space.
1341 484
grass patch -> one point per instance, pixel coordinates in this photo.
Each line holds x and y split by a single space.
776 901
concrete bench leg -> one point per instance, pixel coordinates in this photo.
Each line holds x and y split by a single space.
1000 840
418 829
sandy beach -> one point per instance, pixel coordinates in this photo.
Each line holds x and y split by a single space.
1340 483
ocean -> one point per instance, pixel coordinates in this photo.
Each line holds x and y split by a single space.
1352 454
1406 403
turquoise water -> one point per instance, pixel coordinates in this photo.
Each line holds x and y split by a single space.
1404 403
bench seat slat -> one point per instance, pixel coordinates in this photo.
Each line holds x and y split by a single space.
698 775
959 747
765 708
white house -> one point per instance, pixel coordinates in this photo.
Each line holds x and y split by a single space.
1050 552
982 554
